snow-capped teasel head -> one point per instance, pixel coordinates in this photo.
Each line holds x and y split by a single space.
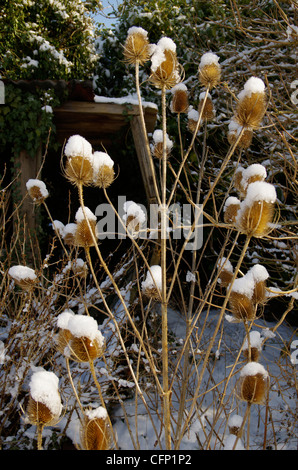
165 69
157 146
253 383
252 346
209 70
231 207
78 146
95 430
86 233
69 232
23 276
234 130
103 170
251 104
226 271
134 216
78 169
251 174
44 404
256 212
37 190
235 423
136 47
259 274
152 285
80 338
193 117
179 103
241 299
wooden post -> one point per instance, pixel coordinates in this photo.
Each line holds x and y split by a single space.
29 167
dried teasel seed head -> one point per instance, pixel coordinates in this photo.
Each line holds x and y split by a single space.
179 103
253 383
86 342
95 430
235 425
157 145
165 68
240 300
152 285
37 190
225 273
251 104
137 47
64 335
256 212
193 118
231 207
234 132
85 234
259 274
69 234
134 216
209 70
78 168
251 174
44 405
208 112
103 170
252 346
23 276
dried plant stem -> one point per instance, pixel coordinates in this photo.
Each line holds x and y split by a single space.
164 302
72 384
211 342
39 430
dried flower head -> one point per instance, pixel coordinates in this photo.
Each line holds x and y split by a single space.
179 103
256 211
44 404
78 169
134 216
252 346
157 145
209 70
225 272
103 170
208 112
240 300
231 207
64 335
137 47
253 383
165 68
69 234
85 234
251 174
23 276
193 118
152 285
85 342
251 104
234 132
235 425
78 267
259 274
37 190
95 430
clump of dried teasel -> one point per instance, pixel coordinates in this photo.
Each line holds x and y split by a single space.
23 276
157 144
78 168
85 233
152 285
209 70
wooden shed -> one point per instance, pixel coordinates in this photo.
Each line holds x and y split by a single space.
100 120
